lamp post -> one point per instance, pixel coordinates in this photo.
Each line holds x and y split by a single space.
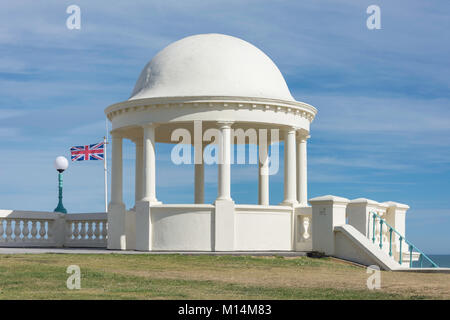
60 164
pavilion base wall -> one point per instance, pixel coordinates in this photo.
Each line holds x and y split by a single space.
143 227
116 227
182 227
332 225
265 228
223 226
130 229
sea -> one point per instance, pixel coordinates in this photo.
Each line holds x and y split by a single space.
442 260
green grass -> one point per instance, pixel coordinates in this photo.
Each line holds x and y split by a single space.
115 276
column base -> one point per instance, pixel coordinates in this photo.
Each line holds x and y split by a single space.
151 202
224 199
302 204
289 203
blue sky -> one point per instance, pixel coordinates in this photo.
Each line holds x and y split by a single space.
382 131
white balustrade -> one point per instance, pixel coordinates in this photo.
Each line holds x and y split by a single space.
86 230
15 228
50 229
303 229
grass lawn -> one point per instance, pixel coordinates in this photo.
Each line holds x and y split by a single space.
143 276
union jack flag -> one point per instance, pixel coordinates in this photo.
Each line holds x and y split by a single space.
94 151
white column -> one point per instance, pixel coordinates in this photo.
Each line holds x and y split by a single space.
263 181
139 185
224 166
290 176
302 171
199 183
116 170
149 164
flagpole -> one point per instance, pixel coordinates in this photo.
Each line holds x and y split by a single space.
105 141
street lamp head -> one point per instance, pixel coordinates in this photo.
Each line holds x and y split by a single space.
61 164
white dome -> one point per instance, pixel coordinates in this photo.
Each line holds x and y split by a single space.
211 65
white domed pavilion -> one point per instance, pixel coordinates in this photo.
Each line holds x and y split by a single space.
214 91
225 84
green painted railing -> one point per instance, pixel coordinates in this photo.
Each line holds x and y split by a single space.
411 247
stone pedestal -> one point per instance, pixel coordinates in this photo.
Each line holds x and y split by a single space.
359 215
116 227
224 226
143 226
327 213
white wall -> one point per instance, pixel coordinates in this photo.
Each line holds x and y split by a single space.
182 227
263 228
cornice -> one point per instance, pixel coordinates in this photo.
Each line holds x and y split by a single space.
231 103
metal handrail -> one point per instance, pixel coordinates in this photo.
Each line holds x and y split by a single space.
401 238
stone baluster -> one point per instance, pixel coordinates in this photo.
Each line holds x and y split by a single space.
8 230
83 230
17 231
42 231
25 230
33 230
90 232
97 230
75 230
306 224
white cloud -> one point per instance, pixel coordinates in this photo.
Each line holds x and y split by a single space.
378 162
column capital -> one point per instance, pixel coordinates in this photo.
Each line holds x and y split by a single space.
303 137
115 135
290 129
150 125
138 140
225 124
302 133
